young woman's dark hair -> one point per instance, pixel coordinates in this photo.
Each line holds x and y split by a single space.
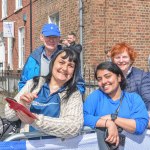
71 84
110 66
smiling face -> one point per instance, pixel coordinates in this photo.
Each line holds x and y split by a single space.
63 69
50 42
123 61
109 83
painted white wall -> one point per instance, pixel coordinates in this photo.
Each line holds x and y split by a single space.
2 54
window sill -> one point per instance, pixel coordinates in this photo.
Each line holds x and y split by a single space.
3 18
19 70
18 9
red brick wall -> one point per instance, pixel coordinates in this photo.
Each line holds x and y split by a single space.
104 24
68 13
109 22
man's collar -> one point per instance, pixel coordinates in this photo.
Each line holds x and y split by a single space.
45 56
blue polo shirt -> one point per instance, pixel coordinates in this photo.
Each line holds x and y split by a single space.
46 103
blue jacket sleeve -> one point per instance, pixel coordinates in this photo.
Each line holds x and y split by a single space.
30 70
89 108
81 86
80 82
145 89
139 114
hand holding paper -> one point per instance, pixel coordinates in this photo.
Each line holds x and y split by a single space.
13 104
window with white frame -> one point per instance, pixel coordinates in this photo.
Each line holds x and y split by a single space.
10 53
4 8
54 19
21 47
18 4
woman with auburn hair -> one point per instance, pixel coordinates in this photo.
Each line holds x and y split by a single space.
137 80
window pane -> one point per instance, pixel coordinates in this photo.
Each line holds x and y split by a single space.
10 54
4 8
18 4
54 19
21 47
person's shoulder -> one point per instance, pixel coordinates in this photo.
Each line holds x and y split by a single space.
36 53
137 70
95 93
77 93
130 94
38 50
78 44
30 62
132 97
94 98
76 47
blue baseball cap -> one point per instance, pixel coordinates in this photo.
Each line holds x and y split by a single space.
50 30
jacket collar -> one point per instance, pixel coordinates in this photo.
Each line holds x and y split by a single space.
36 54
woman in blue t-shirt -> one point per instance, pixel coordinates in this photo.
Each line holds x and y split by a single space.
111 107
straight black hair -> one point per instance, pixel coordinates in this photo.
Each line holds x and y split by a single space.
112 67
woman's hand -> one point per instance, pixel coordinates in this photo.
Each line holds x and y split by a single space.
24 118
113 136
27 98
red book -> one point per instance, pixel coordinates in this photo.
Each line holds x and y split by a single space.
13 104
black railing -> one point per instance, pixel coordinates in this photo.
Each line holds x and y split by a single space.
9 81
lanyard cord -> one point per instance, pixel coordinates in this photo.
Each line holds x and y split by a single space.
121 99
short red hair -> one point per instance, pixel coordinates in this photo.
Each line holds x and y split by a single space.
120 48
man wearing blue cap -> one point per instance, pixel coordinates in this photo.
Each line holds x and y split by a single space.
38 62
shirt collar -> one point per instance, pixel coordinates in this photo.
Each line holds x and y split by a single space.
129 71
51 56
46 57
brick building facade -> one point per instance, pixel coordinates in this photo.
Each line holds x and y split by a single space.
104 22
21 18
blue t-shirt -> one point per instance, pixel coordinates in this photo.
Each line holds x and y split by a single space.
46 103
99 104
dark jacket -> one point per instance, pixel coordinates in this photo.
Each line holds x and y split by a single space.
139 81
76 47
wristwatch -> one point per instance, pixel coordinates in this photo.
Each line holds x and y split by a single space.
113 117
